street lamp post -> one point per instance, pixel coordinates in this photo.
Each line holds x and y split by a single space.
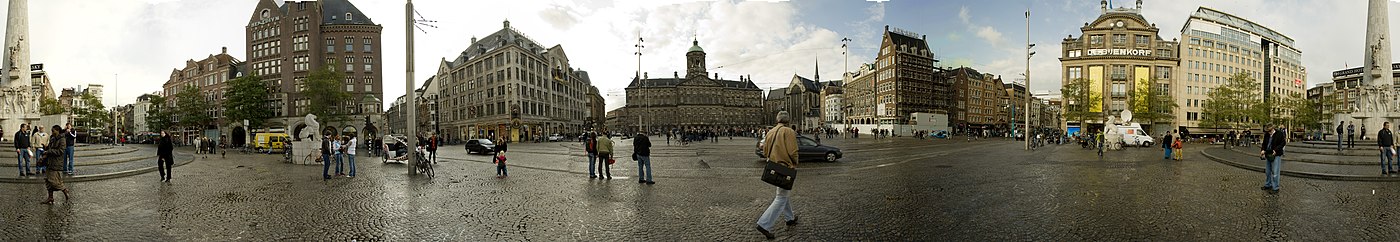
845 72
640 127
1029 53
412 125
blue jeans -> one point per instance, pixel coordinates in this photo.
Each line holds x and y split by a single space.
68 159
339 164
23 161
779 207
1387 157
1168 152
325 165
1272 171
501 170
644 162
1339 142
592 157
39 163
351 158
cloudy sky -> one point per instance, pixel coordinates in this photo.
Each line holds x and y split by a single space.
138 42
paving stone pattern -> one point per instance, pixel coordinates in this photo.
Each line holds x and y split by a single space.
895 189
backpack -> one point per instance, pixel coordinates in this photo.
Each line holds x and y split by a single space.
1176 145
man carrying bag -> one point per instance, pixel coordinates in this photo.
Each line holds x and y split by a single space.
780 145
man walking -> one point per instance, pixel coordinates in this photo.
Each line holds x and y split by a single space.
165 156
1272 151
1351 135
22 149
591 145
432 148
70 136
1339 135
605 152
781 145
1387 143
641 152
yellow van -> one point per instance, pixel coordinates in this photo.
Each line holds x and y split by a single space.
270 141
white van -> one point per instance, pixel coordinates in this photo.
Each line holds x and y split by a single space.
1134 136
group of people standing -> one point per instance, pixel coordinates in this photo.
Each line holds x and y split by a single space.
31 145
342 149
1171 146
600 156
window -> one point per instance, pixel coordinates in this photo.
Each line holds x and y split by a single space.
1076 73
1142 39
1119 39
349 44
369 64
368 44
349 63
330 46
1096 39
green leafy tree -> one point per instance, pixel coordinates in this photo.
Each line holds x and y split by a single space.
1080 101
92 115
157 117
1234 105
1153 104
191 108
1315 113
50 106
246 98
325 91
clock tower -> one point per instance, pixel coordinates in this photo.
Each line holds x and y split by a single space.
695 61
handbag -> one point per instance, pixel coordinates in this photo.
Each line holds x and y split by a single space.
779 175
611 161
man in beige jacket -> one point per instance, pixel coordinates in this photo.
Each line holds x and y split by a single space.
781 146
38 141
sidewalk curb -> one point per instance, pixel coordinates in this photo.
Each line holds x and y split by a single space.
94 177
1315 161
1310 175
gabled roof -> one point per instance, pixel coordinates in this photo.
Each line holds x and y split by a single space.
505 37
779 93
334 11
900 39
807 84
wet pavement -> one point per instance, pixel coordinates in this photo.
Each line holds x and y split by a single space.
893 189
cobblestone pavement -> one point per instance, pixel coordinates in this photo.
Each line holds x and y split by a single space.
896 189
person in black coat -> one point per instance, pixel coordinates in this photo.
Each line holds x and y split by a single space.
53 158
641 152
1339 135
1387 145
1272 152
165 157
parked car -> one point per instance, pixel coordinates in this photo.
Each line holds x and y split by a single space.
480 146
807 149
556 137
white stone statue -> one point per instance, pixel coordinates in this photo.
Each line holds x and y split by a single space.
14 52
312 129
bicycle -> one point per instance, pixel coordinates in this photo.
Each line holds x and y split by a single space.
424 167
313 156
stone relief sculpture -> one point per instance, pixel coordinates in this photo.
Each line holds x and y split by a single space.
14 51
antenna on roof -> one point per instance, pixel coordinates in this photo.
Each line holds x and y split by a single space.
421 22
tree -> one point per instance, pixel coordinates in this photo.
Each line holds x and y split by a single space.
1314 113
326 92
1235 104
91 114
50 106
191 109
157 118
246 99
1153 104
1081 102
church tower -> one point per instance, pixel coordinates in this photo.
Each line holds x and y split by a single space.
695 61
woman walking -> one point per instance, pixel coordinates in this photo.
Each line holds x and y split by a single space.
53 157
164 157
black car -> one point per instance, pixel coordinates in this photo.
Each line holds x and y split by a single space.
480 146
808 149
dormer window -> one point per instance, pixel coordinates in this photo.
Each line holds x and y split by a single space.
347 17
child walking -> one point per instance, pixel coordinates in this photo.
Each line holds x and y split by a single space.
500 161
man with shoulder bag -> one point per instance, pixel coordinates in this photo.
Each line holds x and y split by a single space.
780 145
